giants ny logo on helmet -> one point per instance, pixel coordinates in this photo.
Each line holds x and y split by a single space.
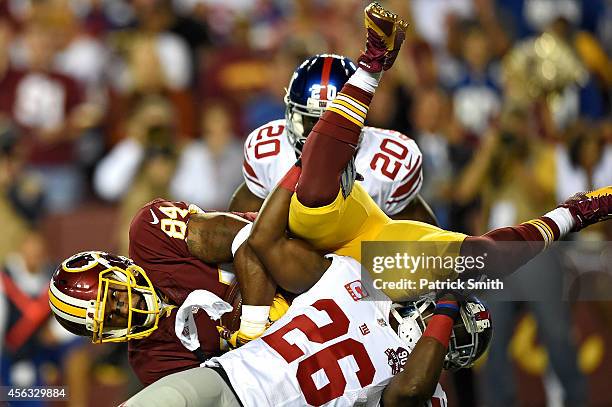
313 85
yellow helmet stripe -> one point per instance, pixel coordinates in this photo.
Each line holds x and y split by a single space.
66 308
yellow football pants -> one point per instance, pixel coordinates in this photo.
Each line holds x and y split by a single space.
344 224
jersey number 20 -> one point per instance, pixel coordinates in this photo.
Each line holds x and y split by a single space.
392 152
267 142
327 358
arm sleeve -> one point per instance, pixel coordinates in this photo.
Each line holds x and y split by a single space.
114 174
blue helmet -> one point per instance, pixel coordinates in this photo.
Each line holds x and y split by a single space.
313 85
471 335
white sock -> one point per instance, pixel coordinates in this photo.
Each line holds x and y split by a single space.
254 319
365 80
563 218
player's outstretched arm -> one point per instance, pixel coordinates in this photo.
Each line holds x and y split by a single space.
417 382
244 200
270 242
210 238
503 257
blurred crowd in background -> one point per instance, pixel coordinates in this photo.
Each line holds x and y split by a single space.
107 104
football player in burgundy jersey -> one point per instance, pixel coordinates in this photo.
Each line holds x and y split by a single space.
175 248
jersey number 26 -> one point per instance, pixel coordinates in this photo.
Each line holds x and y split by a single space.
327 358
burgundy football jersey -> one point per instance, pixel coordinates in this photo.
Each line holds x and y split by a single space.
162 353
157 244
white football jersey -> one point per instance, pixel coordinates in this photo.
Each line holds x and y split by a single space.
389 161
333 347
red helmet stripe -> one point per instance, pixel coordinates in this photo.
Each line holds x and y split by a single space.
327 64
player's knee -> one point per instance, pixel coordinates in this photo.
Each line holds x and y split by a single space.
312 195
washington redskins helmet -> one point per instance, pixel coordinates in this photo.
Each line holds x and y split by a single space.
81 287
471 334
313 85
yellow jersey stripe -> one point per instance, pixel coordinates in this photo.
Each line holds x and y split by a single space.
353 103
353 99
542 231
349 106
347 111
546 228
345 115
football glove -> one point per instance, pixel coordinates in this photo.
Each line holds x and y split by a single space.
278 308
588 208
234 339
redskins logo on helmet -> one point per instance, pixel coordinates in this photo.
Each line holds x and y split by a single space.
80 290
313 85
471 334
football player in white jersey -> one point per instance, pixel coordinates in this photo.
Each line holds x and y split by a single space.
341 341
389 161
338 345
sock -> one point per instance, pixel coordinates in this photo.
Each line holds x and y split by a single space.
509 248
365 80
563 218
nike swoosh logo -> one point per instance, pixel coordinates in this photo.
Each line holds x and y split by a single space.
155 220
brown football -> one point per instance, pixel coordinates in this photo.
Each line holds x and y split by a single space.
231 320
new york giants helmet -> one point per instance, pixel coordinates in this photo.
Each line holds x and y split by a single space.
313 85
471 333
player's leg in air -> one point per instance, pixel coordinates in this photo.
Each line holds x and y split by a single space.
333 213
328 209
320 209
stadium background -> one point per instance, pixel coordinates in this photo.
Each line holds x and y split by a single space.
509 101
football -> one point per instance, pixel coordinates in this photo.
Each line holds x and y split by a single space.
231 320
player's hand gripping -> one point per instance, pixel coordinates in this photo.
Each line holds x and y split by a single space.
235 339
